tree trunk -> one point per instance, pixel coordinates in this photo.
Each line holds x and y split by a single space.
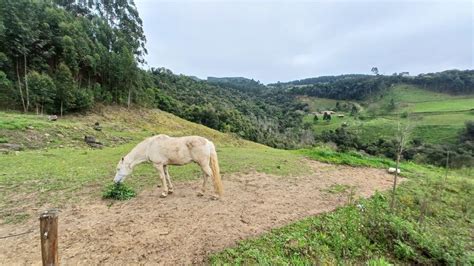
61 108
19 87
394 189
129 97
26 86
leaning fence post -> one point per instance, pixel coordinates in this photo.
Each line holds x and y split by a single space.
49 237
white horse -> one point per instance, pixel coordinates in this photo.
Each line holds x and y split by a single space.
162 150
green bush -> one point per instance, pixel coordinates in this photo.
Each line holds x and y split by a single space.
118 191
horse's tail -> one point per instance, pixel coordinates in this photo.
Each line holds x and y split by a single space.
216 176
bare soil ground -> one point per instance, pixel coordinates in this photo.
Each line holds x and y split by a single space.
184 228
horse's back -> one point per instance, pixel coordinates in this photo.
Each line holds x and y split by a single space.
180 150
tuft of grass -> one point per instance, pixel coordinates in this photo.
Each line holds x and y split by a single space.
337 188
16 218
118 191
350 158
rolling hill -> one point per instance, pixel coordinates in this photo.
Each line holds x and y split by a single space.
435 117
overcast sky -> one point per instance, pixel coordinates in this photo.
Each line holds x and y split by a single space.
286 40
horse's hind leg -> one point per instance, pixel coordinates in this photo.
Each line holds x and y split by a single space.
168 179
161 171
207 172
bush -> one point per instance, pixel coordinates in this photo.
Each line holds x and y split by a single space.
118 191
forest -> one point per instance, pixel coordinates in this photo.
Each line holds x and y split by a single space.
63 56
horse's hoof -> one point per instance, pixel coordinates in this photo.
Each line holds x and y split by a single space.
163 195
214 197
170 191
200 194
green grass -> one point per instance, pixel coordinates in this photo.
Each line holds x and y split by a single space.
442 106
412 99
350 158
15 121
413 94
119 126
432 224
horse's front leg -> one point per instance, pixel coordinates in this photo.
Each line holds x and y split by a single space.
161 171
168 179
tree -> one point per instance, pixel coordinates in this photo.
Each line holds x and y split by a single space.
354 110
375 70
391 106
64 87
42 90
5 87
315 118
403 133
468 132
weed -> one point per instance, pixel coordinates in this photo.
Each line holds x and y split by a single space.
337 188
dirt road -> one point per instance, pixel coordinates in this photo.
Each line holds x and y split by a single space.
184 228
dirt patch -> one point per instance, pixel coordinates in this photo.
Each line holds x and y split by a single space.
184 228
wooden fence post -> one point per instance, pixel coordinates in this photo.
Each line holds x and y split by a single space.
49 237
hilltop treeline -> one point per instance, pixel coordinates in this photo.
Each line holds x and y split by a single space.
360 87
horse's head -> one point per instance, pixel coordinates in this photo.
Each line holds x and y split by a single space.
123 170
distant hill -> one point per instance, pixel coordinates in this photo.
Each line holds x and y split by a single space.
361 87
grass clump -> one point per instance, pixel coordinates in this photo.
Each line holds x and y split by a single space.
348 158
118 191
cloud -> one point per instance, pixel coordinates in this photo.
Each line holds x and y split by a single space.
283 40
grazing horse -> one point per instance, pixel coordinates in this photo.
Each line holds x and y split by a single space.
162 150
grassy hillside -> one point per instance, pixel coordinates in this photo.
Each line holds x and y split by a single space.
412 99
119 125
434 117
56 166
